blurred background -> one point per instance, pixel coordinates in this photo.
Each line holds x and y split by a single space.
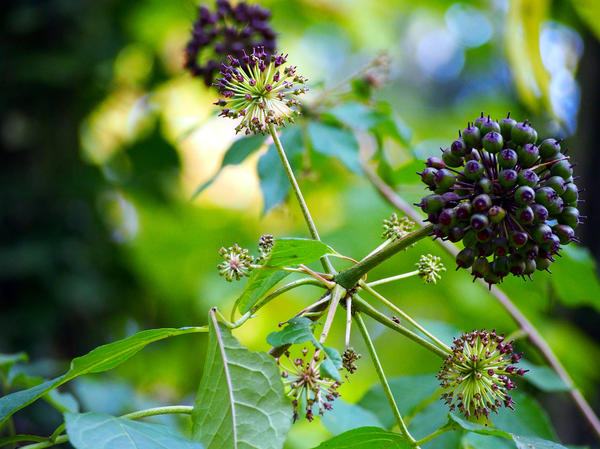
104 139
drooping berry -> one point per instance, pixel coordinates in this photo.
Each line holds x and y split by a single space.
512 203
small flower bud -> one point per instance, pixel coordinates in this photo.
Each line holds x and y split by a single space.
395 227
430 268
237 263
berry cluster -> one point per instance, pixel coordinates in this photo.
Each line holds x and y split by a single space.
259 90
349 359
475 377
228 31
511 202
265 245
307 387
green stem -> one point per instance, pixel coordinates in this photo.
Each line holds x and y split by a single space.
350 277
432 435
363 306
296 188
382 379
404 315
173 409
393 278
285 288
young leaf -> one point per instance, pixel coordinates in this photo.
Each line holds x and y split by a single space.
286 251
366 438
297 330
103 358
241 402
332 141
97 430
274 182
236 154
8 360
332 364
409 392
461 423
528 418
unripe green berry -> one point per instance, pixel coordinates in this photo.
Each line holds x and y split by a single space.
528 155
525 215
451 160
484 185
432 204
562 169
444 179
458 147
522 134
564 233
571 193
508 158
518 238
541 233
524 195
529 266
569 216
549 148
545 196
472 136
482 202
506 126
492 142
540 213
527 178
501 266
473 170
507 178
488 125
496 214
427 176
557 183
465 258
479 222
480 267
542 263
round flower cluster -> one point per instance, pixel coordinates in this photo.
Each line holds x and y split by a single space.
237 263
228 31
259 90
475 377
397 227
307 387
430 267
510 201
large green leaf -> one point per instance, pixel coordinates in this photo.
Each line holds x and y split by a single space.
103 358
574 278
236 154
333 141
99 431
356 115
528 418
241 402
285 252
366 438
409 392
274 182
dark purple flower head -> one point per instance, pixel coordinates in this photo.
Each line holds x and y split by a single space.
475 376
514 202
230 30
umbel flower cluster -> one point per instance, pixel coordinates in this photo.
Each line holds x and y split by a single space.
260 90
475 377
307 387
511 201
228 31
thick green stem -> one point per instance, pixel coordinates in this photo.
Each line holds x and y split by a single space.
296 188
382 379
350 277
404 315
173 409
363 306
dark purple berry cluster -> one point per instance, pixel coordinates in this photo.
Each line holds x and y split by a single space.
476 376
511 200
228 31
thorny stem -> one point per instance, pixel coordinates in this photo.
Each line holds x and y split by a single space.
296 188
174 409
393 278
526 326
350 277
404 315
363 306
382 379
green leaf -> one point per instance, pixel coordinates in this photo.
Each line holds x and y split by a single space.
5 442
543 377
535 443
409 392
258 284
297 330
236 154
63 402
574 278
333 141
528 418
274 182
97 430
345 416
8 360
295 251
285 252
366 438
477 428
428 420
241 402
330 367
475 441
103 358
356 115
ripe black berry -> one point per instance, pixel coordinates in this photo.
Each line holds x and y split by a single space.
511 202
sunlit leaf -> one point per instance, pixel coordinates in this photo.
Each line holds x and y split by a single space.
297 330
574 277
241 402
543 377
345 416
366 438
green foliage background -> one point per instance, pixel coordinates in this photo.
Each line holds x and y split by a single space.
105 139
